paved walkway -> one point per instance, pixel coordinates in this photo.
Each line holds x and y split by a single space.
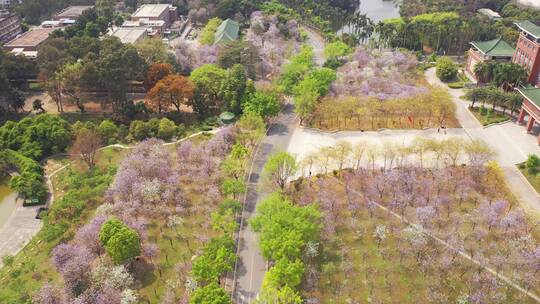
306 141
509 141
18 230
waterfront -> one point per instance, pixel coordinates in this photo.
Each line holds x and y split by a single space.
8 199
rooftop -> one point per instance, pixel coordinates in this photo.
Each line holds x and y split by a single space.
495 47
130 35
490 13
529 27
531 93
227 31
73 11
31 38
151 10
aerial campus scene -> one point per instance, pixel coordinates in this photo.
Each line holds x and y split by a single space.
269 152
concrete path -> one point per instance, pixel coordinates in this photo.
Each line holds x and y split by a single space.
306 141
317 43
18 230
251 266
509 141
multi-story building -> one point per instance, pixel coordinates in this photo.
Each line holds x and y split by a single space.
10 26
527 50
156 12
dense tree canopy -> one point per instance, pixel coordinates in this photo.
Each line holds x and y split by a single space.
284 228
36 137
121 242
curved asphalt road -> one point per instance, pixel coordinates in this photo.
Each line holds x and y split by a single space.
251 266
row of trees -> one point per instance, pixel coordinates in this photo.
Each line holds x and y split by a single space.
445 32
431 109
287 235
506 75
496 97
421 152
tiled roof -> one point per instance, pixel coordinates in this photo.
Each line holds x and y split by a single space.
532 94
227 31
529 27
495 47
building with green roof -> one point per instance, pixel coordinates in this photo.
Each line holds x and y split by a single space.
529 28
227 31
496 48
530 107
483 51
527 52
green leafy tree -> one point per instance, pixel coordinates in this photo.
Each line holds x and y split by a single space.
284 229
446 69
109 131
234 88
167 129
210 294
335 50
109 228
121 242
36 137
208 95
296 69
217 258
509 75
306 99
262 104
279 168
153 51
207 35
322 78
285 295
533 161
233 187
285 272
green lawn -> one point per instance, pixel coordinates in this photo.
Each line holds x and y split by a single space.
488 116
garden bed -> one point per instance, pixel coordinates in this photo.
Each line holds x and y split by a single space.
489 116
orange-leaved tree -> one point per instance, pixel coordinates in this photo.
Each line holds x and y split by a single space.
155 73
171 90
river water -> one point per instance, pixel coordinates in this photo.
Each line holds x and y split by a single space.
379 10
8 199
376 10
